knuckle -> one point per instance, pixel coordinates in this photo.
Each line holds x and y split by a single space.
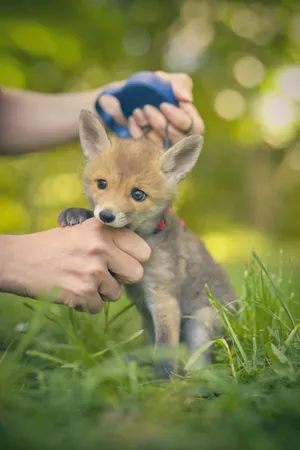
199 127
102 247
161 74
91 226
91 249
97 245
185 78
96 271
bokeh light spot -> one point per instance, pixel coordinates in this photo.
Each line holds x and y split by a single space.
229 104
288 81
245 23
33 38
136 41
275 111
249 71
293 158
14 217
235 244
68 53
11 73
276 116
62 189
187 44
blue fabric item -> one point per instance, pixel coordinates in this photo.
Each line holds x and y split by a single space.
142 88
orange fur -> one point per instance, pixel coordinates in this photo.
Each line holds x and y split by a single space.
126 165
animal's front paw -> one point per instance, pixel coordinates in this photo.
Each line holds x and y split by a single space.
74 216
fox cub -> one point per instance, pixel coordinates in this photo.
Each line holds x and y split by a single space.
133 184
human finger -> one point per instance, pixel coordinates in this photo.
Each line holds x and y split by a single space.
109 288
111 105
129 242
185 119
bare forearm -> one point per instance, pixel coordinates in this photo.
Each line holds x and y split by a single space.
75 260
9 267
31 121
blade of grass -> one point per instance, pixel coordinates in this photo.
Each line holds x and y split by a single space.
106 316
235 338
116 316
281 299
119 344
271 313
254 355
74 326
6 350
225 345
291 336
48 316
195 355
34 328
46 356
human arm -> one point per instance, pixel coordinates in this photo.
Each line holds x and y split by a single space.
31 121
77 260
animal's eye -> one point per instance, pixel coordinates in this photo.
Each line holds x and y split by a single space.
138 195
102 184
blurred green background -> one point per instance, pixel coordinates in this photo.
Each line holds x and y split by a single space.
244 60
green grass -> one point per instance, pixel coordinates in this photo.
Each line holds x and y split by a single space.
67 383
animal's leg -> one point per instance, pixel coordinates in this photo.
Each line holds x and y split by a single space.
149 333
165 313
197 331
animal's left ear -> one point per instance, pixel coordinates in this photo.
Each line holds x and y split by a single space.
181 158
92 135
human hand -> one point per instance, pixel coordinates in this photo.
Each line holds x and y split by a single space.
183 120
75 259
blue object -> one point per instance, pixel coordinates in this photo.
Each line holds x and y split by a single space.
142 88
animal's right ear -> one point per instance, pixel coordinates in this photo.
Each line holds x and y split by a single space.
181 158
92 135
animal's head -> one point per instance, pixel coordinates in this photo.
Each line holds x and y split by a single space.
130 183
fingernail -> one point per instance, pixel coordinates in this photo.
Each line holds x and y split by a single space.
110 110
134 129
146 253
185 95
107 104
167 106
138 113
131 120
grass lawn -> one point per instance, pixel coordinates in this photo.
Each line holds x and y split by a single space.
66 381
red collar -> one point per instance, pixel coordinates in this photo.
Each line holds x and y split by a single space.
162 223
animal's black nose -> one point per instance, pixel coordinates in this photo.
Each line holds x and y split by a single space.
107 216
